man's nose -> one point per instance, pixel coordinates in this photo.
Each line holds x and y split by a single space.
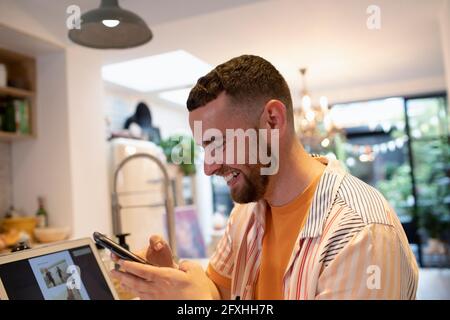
210 168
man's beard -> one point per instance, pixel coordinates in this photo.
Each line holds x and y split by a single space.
254 186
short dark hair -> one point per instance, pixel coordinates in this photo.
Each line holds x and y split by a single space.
248 80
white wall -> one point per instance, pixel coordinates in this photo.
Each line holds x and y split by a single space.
444 20
87 143
5 178
12 16
121 103
66 162
41 167
170 120
383 90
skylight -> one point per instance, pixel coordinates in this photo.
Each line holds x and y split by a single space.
165 71
176 96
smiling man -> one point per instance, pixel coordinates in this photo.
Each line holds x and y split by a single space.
307 230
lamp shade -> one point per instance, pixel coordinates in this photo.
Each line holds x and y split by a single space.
111 27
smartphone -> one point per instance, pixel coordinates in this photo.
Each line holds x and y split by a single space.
115 248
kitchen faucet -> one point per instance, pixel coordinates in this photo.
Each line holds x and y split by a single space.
168 200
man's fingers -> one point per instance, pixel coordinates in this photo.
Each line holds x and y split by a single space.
189 266
144 271
131 282
149 294
114 257
157 242
141 253
138 287
159 252
184 265
146 290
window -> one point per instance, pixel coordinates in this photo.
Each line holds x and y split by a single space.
401 146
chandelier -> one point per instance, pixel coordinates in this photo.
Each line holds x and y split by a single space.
313 122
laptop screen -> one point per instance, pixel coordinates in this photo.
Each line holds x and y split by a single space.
72 274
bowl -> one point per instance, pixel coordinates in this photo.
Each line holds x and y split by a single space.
45 235
26 224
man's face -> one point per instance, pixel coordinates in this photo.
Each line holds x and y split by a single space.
244 180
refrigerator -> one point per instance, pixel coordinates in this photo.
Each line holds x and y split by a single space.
139 189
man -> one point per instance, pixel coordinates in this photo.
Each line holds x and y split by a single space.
307 230
50 279
60 274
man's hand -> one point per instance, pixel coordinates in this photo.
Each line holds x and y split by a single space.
159 253
150 282
164 279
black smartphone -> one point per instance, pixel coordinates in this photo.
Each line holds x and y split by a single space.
115 248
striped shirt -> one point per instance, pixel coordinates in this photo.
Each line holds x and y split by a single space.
351 247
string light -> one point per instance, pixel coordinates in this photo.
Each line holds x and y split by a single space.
367 153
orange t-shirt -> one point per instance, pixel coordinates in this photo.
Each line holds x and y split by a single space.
283 225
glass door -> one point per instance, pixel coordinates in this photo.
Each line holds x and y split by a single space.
428 130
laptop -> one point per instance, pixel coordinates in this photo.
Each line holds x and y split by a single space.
70 270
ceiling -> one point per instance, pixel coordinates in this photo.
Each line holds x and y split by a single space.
53 15
329 37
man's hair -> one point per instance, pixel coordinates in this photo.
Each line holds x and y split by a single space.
250 81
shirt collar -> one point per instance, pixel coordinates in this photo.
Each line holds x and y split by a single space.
323 197
321 204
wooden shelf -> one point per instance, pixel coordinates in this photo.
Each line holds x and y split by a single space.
15 92
21 72
13 136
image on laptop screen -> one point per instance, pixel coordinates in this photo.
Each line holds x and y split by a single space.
72 274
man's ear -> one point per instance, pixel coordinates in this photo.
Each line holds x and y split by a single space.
274 116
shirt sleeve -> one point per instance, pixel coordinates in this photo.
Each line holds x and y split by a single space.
218 279
221 264
373 265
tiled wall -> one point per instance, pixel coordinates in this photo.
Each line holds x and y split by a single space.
5 177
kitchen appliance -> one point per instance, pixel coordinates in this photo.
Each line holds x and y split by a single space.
142 197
